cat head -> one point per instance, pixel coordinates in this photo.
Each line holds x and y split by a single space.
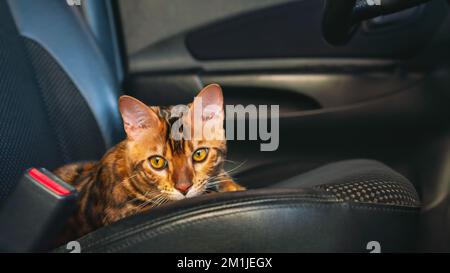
178 151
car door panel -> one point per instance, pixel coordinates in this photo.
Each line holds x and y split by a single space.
359 100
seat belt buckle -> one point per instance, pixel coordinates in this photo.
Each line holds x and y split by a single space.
35 212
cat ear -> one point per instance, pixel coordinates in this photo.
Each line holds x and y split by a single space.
207 110
136 116
210 99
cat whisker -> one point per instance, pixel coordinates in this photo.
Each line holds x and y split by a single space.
217 182
199 186
231 161
161 200
205 185
215 178
151 200
165 200
142 205
127 179
220 178
137 197
236 168
143 196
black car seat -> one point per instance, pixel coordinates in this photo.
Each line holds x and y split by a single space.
58 104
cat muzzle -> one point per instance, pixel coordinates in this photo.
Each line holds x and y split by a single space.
183 187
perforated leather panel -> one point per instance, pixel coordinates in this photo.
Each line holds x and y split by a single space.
375 189
359 181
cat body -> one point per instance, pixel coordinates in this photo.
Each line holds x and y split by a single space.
150 167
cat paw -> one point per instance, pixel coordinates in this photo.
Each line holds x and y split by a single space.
231 186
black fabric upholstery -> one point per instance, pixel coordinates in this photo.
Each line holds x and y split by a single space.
44 122
76 130
26 137
284 218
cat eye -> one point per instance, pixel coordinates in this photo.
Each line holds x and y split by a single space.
157 162
200 154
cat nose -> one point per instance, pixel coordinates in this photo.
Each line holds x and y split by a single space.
183 187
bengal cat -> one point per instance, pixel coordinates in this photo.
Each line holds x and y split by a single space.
150 167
